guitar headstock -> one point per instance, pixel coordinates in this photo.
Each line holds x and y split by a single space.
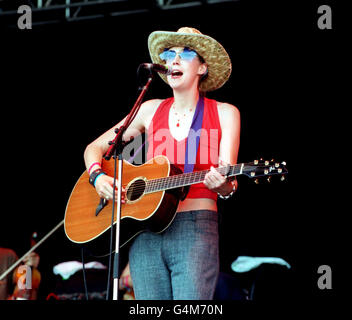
264 168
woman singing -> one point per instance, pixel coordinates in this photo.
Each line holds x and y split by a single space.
182 262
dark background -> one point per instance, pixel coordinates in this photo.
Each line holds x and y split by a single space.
66 84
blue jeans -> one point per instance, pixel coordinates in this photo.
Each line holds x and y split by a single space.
181 263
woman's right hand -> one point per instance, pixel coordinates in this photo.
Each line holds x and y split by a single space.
104 187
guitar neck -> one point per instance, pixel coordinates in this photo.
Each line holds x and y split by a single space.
186 179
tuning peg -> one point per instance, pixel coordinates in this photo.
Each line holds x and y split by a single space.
256 181
256 162
268 179
282 178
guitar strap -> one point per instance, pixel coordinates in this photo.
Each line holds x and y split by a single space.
194 136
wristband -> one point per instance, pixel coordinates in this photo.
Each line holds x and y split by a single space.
92 165
95 174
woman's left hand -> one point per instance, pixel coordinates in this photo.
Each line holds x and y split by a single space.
216 182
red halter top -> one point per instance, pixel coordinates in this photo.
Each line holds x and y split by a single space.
161 142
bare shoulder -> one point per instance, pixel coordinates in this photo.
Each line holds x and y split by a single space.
152 104
148 109
228 112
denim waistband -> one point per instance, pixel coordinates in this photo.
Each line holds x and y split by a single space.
192 214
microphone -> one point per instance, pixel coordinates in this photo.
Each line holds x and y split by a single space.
157 67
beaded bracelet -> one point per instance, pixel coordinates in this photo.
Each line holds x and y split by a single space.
92 165
229 195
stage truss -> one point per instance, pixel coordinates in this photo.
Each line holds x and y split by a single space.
62 11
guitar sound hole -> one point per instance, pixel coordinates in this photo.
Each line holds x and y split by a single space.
135 190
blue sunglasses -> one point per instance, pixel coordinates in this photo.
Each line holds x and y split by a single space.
186 54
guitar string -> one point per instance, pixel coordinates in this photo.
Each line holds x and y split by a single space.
184 179
176 181
179 180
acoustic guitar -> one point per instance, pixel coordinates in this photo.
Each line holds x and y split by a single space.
153 191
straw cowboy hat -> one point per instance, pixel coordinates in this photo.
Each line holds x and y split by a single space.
213 53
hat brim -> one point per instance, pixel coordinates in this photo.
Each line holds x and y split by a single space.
213 53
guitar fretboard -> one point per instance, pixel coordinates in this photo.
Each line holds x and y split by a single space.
186 179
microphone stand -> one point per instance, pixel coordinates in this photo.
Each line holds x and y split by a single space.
115 150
